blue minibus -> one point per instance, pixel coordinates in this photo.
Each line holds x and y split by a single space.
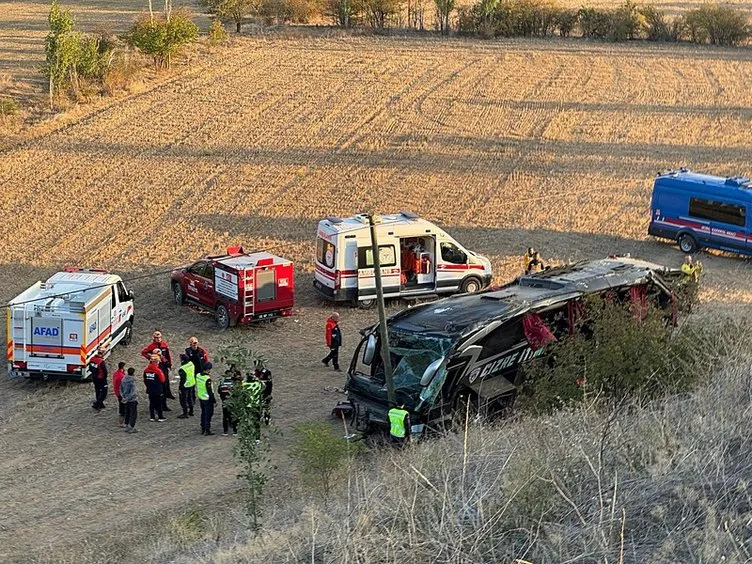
700 210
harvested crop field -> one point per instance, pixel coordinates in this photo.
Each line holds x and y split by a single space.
505 144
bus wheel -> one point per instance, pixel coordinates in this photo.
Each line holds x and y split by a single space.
687 243
128 337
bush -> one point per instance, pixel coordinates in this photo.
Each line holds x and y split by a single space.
120 71
8 107
217 32
718 25
322 455
565 20
162 38
343 12
613 357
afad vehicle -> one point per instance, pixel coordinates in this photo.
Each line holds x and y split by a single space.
238 287
699 210
469 348
417 258
55 327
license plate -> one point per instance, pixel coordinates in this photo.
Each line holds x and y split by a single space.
18 374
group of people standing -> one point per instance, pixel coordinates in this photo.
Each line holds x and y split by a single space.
195 384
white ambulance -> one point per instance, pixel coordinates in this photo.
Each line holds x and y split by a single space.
55 327
417 259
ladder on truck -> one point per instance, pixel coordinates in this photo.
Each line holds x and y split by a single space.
248 285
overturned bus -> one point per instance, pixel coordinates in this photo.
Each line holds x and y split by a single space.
470 347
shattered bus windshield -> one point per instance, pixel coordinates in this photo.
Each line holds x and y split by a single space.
412 353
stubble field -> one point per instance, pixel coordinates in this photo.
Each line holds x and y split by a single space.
506 144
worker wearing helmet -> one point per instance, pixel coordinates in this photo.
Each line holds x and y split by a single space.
690 269
206 397
154 381
187 386
98 373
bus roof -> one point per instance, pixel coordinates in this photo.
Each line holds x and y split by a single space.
456 315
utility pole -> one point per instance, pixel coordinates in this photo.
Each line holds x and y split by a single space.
385 354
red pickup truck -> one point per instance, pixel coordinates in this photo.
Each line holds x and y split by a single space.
238 287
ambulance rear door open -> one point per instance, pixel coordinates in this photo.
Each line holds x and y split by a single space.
417 263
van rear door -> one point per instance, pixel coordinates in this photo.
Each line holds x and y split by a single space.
46 337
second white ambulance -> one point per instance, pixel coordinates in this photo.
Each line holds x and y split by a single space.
417 258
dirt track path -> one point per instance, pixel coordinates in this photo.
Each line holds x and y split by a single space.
506 145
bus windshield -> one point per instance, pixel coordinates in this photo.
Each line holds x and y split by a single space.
411 355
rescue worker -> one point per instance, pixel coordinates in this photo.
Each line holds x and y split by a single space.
187 386
691 270
117 378
205 397
528 257
264 375
129 398
154 380
536 264
399 421
196 354
98 373
333 341
165 364
226 386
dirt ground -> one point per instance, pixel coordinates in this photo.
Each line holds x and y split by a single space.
505 144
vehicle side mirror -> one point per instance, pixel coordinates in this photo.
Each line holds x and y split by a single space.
130 295
431 371
370 351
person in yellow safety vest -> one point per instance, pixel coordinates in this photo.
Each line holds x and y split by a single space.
399 421
187 387
690 269
528 257
205 398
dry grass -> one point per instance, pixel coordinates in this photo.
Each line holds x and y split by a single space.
666 482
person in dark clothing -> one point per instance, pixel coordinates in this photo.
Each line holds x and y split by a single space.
227 385
129 399
196 354
154 380
536 264
187 386
264 375
206 398
333 341
98 373
165 363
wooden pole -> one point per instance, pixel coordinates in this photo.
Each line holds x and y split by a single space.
385 354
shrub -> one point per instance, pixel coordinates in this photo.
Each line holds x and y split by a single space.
217 32
718 25
595 23
120 71
8 107
613 357
322 455
627 22
162 38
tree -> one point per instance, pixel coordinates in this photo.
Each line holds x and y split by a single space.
231 10
380 12
444 9
162 37
251 449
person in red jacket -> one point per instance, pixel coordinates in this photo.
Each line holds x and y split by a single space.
333 341
154 380
98 373
165 364
117 378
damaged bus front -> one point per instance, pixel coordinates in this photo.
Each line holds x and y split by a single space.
468 348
